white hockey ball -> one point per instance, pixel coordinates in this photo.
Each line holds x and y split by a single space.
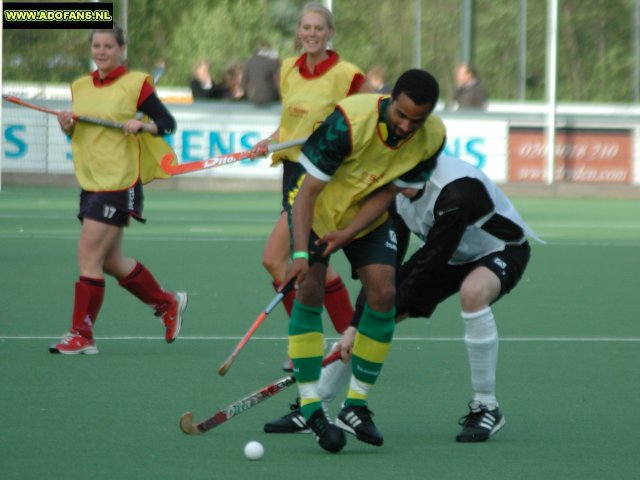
253 450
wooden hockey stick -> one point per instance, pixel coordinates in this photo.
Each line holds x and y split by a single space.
179 169
190 428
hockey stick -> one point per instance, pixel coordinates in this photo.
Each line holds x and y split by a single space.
221 160
276 300
158 71
79 118
244 404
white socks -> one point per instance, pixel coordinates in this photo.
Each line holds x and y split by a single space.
481 340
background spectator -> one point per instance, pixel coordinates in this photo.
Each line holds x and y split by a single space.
202 85
470 93
376 77
232 81
260 75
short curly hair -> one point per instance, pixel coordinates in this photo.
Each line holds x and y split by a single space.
419 85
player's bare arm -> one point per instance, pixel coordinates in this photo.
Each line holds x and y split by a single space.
302 220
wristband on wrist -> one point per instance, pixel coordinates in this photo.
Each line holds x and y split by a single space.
300 254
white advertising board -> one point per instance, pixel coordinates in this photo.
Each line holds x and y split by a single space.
32 141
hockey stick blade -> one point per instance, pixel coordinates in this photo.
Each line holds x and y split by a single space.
190 428
276 300
221 160
180 169
187 425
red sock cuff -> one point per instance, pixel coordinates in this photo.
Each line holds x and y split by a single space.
95 282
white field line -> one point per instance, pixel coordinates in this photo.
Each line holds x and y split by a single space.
134 238
186 218
589 225
396 339
182 239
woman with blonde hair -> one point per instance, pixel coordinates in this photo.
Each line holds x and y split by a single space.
310 87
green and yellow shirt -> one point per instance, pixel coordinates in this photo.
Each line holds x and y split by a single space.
353 153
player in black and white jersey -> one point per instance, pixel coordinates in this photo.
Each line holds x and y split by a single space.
475 245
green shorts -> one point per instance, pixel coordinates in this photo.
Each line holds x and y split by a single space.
377 247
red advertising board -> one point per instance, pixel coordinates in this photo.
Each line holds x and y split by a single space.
582 156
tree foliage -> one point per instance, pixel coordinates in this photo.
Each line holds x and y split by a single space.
594 42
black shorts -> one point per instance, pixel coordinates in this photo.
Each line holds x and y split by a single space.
377 247
292 173
113 208
508 265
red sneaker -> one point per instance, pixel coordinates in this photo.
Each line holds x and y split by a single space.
73 344
172 316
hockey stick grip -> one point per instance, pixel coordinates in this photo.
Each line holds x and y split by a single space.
332 357
284 145
281 294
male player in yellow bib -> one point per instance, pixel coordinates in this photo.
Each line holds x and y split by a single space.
370 146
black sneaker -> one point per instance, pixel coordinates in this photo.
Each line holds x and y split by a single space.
357 421
480 424
330 437
292 422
